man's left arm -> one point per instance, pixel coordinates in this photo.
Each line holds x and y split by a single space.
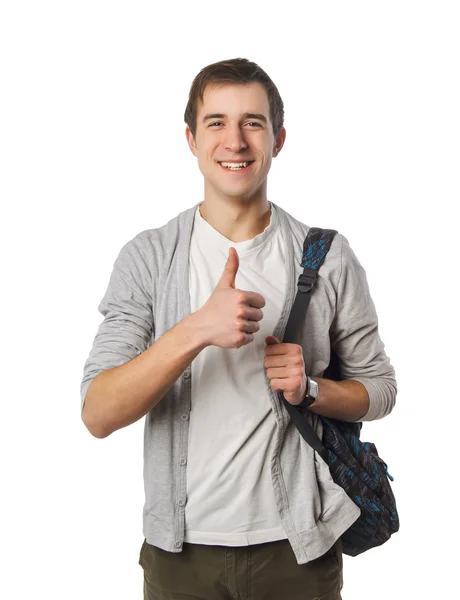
368 387
343 400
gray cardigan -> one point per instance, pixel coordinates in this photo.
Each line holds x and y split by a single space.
148 294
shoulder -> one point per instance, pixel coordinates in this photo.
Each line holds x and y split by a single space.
338 252
155 244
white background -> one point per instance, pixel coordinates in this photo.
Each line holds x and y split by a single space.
93 150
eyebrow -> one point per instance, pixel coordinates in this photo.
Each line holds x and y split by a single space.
244 116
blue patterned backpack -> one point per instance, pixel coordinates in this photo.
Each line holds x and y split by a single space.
353 464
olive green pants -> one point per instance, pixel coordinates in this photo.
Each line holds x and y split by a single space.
260 572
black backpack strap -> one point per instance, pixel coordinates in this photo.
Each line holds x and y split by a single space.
315 248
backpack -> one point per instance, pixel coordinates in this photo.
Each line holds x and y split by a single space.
354 465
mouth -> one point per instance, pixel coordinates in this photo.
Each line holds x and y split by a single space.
236 167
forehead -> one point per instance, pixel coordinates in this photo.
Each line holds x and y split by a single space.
234 99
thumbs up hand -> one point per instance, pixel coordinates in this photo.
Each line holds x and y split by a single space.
286 369
230 317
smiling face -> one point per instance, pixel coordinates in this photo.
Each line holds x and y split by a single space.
233 126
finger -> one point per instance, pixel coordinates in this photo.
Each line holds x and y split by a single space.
250 326
283 372
275 361
283 360
289 384
270 340
253 314
254 299
231 268
273 348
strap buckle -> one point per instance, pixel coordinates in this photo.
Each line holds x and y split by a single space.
306 280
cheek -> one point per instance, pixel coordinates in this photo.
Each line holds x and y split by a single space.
207 166
204 167
267 164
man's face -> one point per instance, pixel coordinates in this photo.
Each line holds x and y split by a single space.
233 125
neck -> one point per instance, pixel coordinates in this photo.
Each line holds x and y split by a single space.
236 218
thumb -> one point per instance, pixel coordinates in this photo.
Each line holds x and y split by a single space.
231 268
271 339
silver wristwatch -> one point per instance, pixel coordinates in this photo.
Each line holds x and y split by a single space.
311 395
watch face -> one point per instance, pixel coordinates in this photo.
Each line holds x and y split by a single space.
313 389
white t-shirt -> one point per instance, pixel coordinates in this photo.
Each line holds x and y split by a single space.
230 497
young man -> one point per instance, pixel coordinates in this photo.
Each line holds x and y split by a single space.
237 504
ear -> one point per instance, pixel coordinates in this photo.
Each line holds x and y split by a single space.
279 142
190 140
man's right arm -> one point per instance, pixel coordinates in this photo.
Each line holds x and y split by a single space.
122 395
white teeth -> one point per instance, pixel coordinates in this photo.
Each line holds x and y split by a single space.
234 165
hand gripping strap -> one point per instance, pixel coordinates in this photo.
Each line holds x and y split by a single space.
315 248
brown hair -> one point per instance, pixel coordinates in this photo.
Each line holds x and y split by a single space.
236 71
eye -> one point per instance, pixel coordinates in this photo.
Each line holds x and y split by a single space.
249 123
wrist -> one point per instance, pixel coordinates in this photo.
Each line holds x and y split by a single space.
311 394
198 331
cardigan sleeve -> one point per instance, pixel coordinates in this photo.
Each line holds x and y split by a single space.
355 337
126 306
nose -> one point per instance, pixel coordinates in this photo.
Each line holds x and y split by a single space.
234 139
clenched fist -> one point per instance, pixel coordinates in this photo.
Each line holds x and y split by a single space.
286 369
